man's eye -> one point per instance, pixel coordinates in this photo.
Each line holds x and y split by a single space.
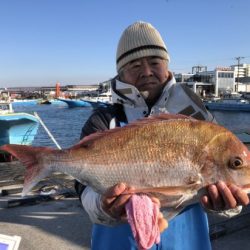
155 62
135 66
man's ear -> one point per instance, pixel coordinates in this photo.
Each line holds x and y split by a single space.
169 75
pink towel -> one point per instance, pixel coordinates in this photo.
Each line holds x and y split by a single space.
142 216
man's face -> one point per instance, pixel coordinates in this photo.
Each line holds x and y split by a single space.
147 74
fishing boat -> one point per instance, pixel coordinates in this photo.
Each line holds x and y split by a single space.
96 103
16 128
73 103
228 104
240 106
44 101
102 100
24 102
105 97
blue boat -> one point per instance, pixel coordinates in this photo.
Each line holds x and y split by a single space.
73 103
228 105
96 104
16 128
24 102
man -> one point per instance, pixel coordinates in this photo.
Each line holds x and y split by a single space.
144 86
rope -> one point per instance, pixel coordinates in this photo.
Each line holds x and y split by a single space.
47 130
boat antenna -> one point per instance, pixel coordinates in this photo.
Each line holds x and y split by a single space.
238 71
47 130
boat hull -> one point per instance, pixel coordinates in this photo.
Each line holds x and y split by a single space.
96 104
227 106
18 128
75 103
17 103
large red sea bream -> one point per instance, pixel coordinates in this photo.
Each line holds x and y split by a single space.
173 157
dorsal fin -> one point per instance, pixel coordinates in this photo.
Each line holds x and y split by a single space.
88 140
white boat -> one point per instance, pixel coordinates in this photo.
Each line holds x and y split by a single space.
24 102
102 100
105 97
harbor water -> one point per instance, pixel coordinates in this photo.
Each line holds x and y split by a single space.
64 123
233 120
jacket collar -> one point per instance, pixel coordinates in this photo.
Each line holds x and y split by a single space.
129 95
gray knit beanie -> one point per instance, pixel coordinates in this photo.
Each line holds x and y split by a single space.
140 40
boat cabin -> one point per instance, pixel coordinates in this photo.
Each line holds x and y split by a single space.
5 107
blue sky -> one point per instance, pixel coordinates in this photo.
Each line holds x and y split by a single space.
74 41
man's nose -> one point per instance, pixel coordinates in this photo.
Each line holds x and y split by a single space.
146 69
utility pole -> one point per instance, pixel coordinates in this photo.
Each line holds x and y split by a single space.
238 72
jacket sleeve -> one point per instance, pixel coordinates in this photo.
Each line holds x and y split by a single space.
98 121
229 213
91 202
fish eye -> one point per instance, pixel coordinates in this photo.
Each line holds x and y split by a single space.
236 163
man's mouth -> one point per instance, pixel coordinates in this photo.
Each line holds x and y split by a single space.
146 85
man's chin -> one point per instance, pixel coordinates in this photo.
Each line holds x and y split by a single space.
147 87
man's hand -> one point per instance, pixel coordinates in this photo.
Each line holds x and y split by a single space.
223 197
115 199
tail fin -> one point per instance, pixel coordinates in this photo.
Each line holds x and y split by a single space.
28 155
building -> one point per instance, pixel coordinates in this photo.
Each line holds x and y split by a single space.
241 70
50 91
224 80
216 82
183 77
